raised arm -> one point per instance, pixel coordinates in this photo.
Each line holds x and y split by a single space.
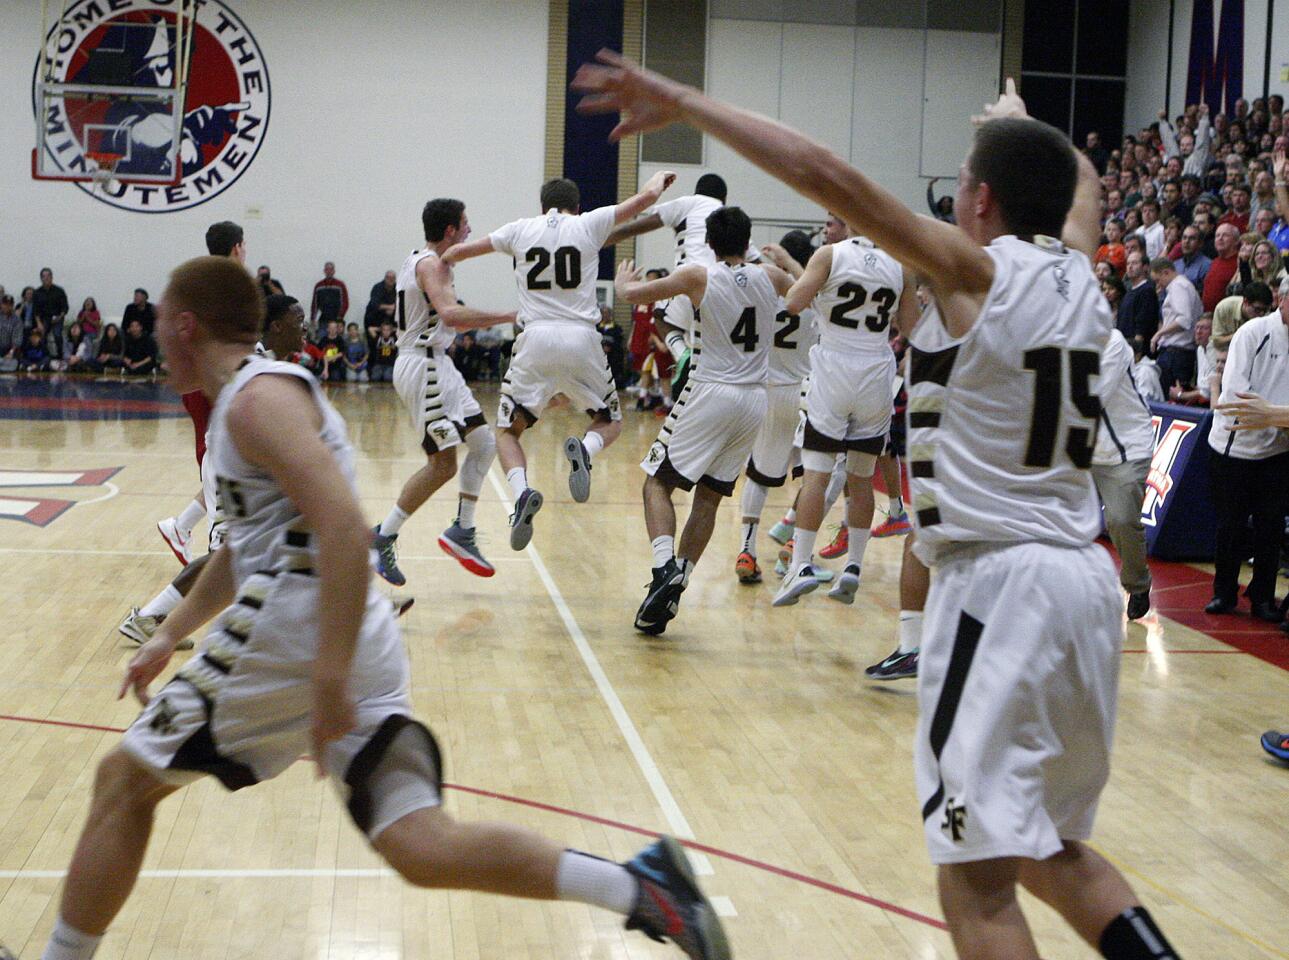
690 280
465 251
1169 136
648 101
811 281
781 279
643 200
636 227
782 259
1280 165
434 277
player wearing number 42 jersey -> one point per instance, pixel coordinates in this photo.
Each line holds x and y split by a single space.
705 441
556 259
443 410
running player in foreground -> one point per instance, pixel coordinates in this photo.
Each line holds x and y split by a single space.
1021 642
305 656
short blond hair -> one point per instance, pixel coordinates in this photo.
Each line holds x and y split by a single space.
225 298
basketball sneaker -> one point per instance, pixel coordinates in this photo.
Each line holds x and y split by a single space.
782 531
893 526
521 521
748 570
180 545
847 584
840 544
670 906
579 475
822 574
387 557
897 666
1276 744
456 541
141 629
662 601
785 551
795 586
1138 604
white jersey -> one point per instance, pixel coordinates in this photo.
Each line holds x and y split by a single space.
557 260
1127 432
687 216
418 322
859 299
1002 422
734 326
790 351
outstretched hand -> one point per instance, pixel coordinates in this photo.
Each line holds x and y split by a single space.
627 273
1251 412
145 666
644 100
1009 104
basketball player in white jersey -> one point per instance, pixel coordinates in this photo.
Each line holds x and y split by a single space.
859 291
1020 645
442 407
305 656
772 453
705 441
687 217
557 260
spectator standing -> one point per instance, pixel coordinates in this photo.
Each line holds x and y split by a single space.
268 286
330 299
111 349
1204 222
1151 230
380 307
139 352
1192 264
1111 252
142 310
355 354
1098 154
381 361
1240 211
1234 312
1174 341
10 335
1250 469
941 209
1138 316
49 302
1264 193
89 318
1225 265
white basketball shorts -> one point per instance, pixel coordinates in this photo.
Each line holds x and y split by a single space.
442 407
240 709
1017 683
552 357
707 436
772 450
848 402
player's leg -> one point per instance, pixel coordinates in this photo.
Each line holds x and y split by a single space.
1122 486
108 855
526 388
1097 902
751 503
915 582
837 485
984 916
458 540
669 575
699 524
142 622
440 467
897 522
859 519
587 380
800 578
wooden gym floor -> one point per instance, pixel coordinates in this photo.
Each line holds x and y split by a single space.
749 729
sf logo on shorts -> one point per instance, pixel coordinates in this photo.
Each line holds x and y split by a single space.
440 432
955 819
656 452
163 718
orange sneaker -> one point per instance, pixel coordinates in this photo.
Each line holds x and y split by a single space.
894 527
785 551
840 544
747 568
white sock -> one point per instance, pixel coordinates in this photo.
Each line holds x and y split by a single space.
465 513
394 522
190 517
68 943
518 480
790 518
858 540
896 508
162 603
594 443
910 630
664 548
803 548
601 883
749 536
676 343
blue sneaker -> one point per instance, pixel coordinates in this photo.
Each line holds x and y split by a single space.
458 542
386 558
782 532
1276 744
671 907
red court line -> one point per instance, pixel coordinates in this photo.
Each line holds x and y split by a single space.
618 825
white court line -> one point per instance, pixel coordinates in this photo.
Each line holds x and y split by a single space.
166 553
644 760
112 491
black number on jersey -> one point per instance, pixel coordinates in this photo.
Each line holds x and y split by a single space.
788 324
402 312
229 495
1048 365
744 333
568 268
883 299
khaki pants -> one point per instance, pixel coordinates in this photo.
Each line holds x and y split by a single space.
1122 488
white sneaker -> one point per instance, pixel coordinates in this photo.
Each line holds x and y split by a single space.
795 586
846 586
175 539
141 629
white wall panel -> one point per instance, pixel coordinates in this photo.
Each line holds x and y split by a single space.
961 77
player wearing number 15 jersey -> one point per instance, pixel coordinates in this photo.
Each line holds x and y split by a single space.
859 292
556 259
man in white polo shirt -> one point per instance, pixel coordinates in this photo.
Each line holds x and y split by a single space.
1174 341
